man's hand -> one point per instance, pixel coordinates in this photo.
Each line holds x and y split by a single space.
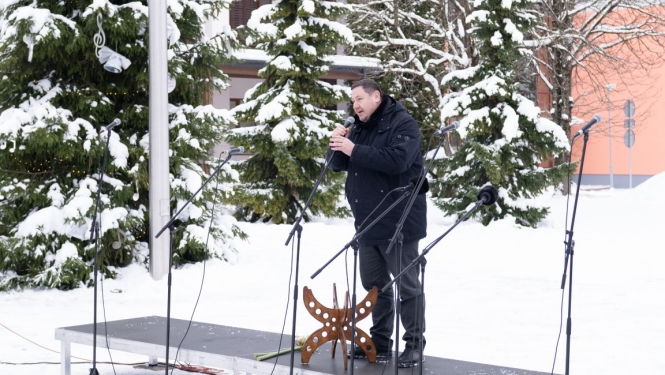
340 131
341 143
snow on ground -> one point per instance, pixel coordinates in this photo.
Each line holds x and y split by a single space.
493 293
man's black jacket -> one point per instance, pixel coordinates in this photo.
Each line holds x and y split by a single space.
386 156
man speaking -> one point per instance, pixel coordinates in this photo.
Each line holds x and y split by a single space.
381 153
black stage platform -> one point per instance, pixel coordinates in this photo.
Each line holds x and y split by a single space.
233 349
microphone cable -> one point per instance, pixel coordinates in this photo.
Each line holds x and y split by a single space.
106 331
203 276
286 311
563 291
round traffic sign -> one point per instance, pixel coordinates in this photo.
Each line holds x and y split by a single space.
629 138
629 108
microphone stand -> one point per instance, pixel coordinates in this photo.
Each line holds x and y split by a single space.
398 237
420 259
570 247
298 228
94 236
421 323
353 243
170 226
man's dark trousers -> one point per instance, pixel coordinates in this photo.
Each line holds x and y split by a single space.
375 269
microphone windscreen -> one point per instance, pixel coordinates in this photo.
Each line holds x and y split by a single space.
424 188
349 121
488 194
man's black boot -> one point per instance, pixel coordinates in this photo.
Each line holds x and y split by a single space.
410 357
381 354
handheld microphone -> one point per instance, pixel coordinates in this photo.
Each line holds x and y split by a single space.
454 125
236 150
488 195
596 119
112 125
349 121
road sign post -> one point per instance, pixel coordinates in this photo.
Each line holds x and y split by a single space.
609 88
629 136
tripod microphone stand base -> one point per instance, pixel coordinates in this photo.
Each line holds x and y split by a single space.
337 324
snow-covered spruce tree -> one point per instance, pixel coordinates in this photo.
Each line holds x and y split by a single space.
504 137
55 96
417 43
292 108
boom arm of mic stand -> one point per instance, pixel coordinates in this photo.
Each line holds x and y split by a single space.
99 188
430 246
360 234
172 219
409 204
309 200
570 244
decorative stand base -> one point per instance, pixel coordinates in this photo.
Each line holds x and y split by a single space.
337 324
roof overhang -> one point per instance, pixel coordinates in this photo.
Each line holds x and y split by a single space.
250 61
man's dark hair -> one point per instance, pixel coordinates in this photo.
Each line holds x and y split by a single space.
368 85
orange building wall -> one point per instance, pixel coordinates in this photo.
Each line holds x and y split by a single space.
645 88
649 147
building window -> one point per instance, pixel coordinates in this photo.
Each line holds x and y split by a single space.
241 11
234 102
